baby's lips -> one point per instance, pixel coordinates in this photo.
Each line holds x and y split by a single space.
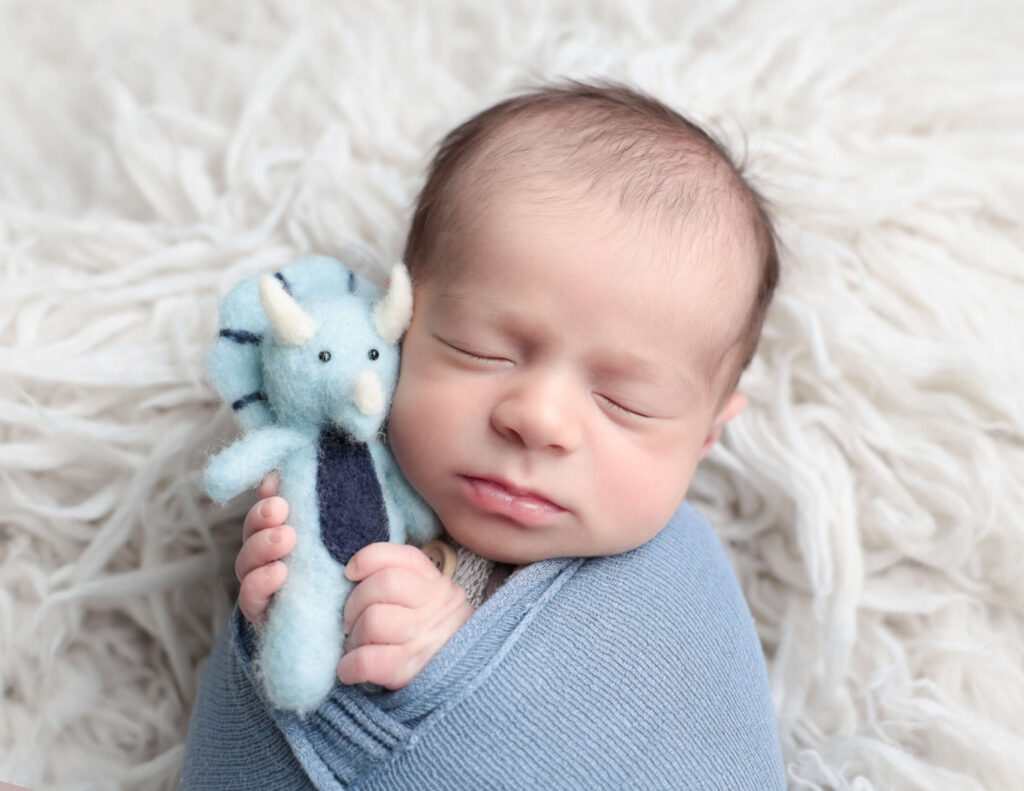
520 505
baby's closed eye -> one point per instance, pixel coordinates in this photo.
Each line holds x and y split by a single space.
474 352
622 407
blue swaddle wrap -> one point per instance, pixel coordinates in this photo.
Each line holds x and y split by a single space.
640 671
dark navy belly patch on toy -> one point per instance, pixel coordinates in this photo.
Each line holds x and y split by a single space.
351 503
308 359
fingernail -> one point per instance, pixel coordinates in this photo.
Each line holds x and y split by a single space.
275 535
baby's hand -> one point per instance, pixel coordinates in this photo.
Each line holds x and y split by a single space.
265 540
399 616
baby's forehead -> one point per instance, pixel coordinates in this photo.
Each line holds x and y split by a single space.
707 240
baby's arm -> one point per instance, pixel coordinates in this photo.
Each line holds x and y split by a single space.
398 617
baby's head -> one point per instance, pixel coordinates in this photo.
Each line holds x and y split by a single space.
591 275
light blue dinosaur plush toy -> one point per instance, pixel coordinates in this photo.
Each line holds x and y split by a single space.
308 359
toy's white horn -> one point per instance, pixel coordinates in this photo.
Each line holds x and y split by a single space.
392 314
292 325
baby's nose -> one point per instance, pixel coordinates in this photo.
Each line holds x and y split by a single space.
539 416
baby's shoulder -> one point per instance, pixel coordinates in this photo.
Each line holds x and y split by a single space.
683 567
684 555
668 618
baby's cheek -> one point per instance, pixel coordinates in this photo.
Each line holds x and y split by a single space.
419 427
403 435
642 493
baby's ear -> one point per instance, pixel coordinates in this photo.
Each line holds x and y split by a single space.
737 403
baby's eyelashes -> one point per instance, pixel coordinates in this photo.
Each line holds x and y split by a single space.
472 354
616 407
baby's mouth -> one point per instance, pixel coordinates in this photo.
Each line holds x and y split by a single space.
520 505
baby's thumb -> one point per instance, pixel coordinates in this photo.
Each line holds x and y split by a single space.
269 485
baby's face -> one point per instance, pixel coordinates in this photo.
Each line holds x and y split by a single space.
553 398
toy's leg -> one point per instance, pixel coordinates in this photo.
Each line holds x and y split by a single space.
303 639
302 642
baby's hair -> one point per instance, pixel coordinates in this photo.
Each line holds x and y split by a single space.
598 135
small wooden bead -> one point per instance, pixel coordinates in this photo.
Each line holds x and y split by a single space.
442 556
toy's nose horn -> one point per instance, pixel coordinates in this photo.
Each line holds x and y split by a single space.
292 325
369 395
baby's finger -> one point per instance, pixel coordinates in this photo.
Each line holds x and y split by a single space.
269 512
387 665
382 624
270 485
374 557
257 589
263 548
388 586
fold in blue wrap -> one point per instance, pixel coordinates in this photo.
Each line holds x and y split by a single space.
639 670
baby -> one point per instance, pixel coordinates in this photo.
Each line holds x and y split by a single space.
591 274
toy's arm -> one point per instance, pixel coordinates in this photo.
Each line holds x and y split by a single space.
244 464
421 523
405 507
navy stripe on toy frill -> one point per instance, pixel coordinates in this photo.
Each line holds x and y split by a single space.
241 336
247 399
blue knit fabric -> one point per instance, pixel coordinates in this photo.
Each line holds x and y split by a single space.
639 671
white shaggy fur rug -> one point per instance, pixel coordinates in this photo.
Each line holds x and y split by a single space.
872 497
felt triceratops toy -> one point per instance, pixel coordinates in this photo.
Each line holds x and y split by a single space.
308 360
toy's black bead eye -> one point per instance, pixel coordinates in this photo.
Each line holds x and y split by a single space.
325 356
374 354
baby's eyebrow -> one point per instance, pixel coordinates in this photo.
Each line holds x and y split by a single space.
624 366
475 308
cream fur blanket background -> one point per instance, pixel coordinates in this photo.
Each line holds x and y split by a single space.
872 497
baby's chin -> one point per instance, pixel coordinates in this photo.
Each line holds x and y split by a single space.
513 553
521 554
514 556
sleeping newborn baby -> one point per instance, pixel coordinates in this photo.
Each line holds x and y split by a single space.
591 274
